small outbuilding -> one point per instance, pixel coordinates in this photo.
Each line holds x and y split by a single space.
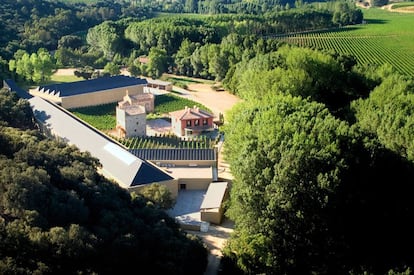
159 84
212 209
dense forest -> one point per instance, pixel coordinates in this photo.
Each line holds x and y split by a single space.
112 35
59 216
322 155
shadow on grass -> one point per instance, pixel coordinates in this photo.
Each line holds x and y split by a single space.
187 80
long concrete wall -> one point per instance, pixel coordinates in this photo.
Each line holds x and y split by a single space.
101 97
195 183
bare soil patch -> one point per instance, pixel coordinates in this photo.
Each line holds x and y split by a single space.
217 101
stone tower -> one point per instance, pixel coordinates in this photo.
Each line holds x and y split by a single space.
131 118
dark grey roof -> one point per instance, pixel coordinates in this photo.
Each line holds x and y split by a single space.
175 154
92 85
11 85
117 163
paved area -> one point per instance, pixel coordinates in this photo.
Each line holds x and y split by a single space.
188 205
158 126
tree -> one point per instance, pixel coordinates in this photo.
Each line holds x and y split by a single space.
183 57
286 159
388 114
158 195
112 68
35 67
85 72
158 62
14 112
105 39
70 42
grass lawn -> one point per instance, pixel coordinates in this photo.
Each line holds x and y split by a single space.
65 78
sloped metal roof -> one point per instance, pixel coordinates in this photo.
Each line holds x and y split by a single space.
174 154
91 85
117 162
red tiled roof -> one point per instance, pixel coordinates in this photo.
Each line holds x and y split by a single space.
191 113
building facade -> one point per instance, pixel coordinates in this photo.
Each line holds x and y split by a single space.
131 115
191 122
90 92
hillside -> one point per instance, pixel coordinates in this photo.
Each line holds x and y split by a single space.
385 37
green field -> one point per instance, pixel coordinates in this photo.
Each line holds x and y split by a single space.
64 78
102 117
386 37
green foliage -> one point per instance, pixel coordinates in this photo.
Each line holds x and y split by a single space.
158 62
101 117
388 113
299 72
285 156
14 112
112 69
105 39
158 196
36 67
309 190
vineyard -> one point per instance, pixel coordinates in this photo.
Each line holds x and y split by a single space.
167 141
385 38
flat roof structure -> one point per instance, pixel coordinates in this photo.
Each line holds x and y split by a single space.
117 162
91 85
158 82
214 196
191 172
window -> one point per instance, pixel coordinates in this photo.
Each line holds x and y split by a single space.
196 122
188 123
204 121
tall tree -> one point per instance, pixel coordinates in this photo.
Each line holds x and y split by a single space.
158 62
105 38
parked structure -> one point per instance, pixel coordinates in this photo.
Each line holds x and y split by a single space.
159 84
91 92
212 209
191 121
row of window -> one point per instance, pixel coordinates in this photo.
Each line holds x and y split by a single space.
196 122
